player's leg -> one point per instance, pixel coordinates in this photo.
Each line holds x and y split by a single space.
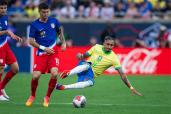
2 64
1 72
85 79
10 74
11 61
78 85
51 85
53 64
34 84
2 96
39 67
82 66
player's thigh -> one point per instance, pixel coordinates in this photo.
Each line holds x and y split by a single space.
53 63
10 57
86 75
40 64
2 56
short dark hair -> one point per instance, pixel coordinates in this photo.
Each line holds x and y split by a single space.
108 38
3 2
43 6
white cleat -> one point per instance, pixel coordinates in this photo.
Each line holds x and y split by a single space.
4 93
2 98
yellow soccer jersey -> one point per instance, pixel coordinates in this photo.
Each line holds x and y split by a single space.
101 60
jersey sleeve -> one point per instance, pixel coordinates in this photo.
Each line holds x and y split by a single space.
57 25
116 63
91 50
32 31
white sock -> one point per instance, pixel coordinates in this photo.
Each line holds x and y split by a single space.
79 85
79 69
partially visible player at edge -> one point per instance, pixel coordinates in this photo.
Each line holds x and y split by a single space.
43 34
6 55
100 58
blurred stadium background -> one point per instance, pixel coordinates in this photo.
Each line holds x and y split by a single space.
142 31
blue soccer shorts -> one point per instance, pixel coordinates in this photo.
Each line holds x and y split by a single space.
86 75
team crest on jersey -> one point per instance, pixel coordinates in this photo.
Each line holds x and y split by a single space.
52 25
42 33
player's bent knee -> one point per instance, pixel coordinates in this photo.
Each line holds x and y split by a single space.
87 66
14 67
54 75
1 69
91 82
36 75
15 71
54 72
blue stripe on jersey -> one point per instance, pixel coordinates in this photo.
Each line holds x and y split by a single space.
3 26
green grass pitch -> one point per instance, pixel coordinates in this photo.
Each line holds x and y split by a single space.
109 95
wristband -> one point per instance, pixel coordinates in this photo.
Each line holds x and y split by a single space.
42 47
131 88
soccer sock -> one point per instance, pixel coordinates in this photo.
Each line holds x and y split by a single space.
51 86
79 85
79 69
34 84
6 79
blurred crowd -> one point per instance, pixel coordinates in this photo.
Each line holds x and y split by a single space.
94 9
156 36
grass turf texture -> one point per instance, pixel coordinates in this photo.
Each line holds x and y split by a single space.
109 95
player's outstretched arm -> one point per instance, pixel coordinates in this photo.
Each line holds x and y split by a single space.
81 56
128 84
13 36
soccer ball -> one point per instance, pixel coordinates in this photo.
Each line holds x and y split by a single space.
79 101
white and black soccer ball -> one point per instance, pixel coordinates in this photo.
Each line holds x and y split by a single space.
79 101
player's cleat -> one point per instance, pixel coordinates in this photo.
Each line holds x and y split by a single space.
64 74
46 101
2 98
60 87
4 93
30 101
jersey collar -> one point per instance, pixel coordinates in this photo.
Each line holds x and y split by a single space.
106 52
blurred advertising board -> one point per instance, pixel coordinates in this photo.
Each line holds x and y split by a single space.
133 60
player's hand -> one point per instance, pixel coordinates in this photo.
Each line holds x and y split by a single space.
63 46
49 51
79 56
15 37
135 92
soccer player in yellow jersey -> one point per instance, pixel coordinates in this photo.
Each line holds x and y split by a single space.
100 58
